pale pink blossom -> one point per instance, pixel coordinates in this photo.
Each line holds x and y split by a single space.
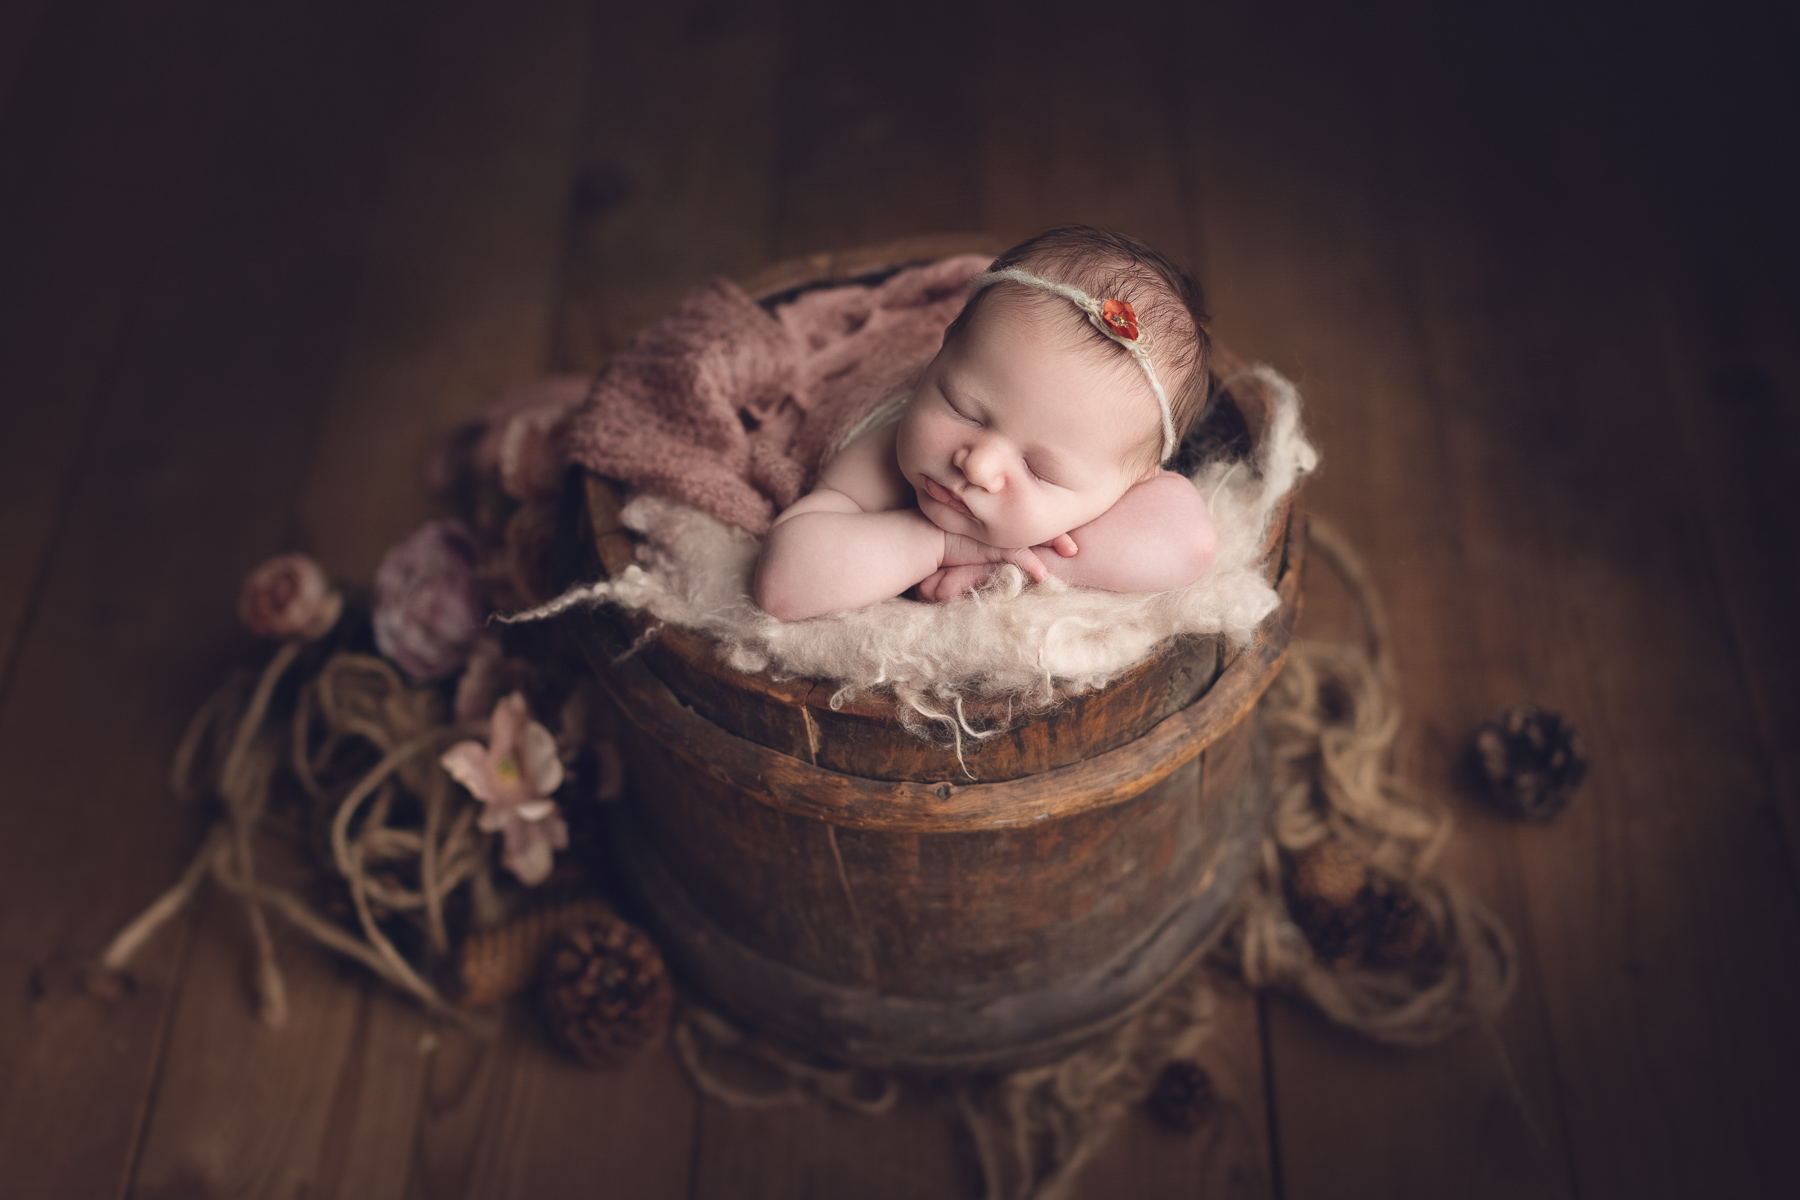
513 777
289 597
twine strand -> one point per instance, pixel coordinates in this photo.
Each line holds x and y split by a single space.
353 698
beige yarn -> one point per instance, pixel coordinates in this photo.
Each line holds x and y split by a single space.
353 699
1332 717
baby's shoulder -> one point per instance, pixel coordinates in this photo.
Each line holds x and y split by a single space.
868 471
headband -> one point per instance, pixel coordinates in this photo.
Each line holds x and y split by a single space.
1115 318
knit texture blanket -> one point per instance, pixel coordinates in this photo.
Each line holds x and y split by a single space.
729 410
720 415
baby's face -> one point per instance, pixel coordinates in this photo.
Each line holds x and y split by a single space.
1018 431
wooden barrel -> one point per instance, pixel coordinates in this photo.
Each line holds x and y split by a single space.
838 882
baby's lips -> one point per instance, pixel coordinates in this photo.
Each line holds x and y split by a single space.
946 497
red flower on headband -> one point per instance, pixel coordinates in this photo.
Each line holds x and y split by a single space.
1120 318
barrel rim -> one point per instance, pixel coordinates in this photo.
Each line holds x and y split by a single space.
797 787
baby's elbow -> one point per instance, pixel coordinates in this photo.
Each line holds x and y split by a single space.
772 595
781 606
781 595
1195 554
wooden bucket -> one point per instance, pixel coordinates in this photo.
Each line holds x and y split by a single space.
833 880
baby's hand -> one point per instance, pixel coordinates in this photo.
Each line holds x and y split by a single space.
953 583
968 564
960 550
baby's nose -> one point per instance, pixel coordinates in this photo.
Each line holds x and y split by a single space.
983 465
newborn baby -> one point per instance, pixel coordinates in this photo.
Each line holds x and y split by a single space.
1035 437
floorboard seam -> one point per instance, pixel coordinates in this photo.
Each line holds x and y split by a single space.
165 1023
1276 1187
78 474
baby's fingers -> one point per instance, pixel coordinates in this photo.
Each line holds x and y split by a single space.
1064 545
1028 561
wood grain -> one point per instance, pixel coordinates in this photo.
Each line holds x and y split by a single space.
677 165
1674 926
1068 141
133 610
1505 493
18 25
1531 264
1301 264
93 192
877 135
913 1153
510 1119
453 304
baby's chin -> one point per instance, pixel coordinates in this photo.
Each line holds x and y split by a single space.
951 521
947 518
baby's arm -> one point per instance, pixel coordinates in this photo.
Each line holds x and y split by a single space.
825 554
856 539
1157 537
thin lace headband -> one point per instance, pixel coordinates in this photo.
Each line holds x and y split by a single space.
1115 318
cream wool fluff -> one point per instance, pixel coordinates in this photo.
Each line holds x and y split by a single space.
1036 643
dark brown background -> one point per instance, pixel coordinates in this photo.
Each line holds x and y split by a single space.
1534 268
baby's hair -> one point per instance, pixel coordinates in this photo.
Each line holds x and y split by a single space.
1167 300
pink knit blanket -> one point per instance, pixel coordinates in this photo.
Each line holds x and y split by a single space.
731 410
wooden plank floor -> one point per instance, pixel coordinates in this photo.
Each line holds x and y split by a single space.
1534 272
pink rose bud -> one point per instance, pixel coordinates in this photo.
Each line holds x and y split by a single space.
428 610
289 597
531 453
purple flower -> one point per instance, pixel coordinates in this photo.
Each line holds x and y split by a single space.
428 610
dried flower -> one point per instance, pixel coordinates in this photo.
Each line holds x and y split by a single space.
1121 318
289 597
475 454
428 610
513 777
531 449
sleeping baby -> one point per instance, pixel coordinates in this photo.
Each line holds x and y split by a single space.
1036 437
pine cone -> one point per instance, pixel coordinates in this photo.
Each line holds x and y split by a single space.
1529 762
1182 1097
606 993
1351 914
497 964
1324 885
1396 931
